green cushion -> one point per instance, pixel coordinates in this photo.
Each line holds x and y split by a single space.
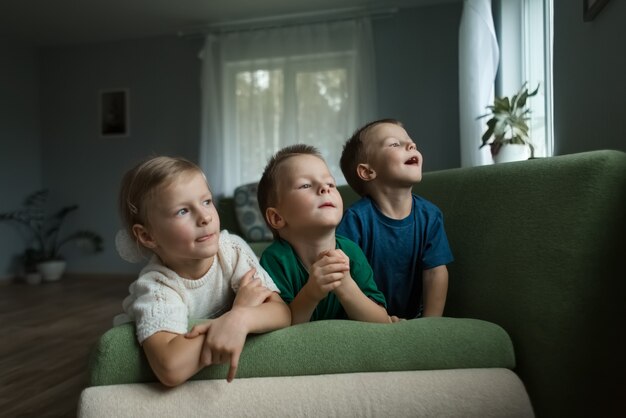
327 347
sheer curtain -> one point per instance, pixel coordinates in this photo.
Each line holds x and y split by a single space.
263 89
478 65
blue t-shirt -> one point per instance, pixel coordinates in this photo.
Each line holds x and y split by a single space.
399 250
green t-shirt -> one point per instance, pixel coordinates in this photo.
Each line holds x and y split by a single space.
284 266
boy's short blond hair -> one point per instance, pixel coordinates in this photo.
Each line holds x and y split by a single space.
267 191
141 183
355 153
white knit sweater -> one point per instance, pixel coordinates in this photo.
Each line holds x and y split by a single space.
161 300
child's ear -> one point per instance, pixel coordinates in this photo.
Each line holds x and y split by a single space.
365 173
143 236
274 219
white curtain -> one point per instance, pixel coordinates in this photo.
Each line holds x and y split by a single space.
263 89
478 65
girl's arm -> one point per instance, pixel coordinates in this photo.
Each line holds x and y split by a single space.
226 335
174 358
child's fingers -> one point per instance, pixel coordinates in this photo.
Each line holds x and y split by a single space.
339 253
338 267
247 278
329 287
206 357
198 329
332 260
234 364
323 254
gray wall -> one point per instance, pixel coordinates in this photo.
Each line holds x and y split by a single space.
79 166
417 72
589 78
20 154
163 77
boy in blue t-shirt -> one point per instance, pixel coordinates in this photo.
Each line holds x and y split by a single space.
401 234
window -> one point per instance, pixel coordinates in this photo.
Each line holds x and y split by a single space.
264 89
524 31
273 103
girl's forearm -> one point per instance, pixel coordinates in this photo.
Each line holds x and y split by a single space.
172 357
268 316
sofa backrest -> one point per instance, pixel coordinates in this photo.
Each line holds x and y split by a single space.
539 248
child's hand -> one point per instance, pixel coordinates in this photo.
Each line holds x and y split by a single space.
225 338
251 291
326 273
346 277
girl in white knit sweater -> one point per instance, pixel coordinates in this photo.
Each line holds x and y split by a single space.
195 271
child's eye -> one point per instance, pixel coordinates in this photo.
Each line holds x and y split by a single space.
394 144
331 185
207 202
304 186
182 212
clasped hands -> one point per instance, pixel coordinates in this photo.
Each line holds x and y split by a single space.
225 336
331 272
328 273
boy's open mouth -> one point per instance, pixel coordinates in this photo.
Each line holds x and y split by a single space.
412 161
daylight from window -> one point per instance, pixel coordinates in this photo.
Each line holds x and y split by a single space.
525 39
303 100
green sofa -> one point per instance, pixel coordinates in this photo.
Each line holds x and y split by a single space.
534 316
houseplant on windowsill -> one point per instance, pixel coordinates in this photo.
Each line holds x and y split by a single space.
507 131
43 255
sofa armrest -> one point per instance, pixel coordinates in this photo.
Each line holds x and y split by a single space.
327 347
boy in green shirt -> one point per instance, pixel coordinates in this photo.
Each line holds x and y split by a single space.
320 275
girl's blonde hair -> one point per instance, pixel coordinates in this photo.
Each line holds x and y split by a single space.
142 182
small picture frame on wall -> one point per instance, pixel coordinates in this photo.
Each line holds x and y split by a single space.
114 113
591 8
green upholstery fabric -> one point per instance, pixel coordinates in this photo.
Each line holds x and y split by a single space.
327 347
539 249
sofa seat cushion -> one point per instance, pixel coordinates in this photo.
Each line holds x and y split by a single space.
468 393
327 347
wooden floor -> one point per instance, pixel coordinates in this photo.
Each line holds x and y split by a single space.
46 334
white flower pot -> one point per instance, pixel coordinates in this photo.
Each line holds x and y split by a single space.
51 270
512 152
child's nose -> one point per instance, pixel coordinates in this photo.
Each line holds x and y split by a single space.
205 217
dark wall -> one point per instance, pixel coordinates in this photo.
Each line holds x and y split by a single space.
418 83
589 78
20 153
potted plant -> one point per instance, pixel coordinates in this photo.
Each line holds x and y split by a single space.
43 254
507 129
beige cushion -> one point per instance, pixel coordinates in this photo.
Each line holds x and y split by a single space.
466 393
